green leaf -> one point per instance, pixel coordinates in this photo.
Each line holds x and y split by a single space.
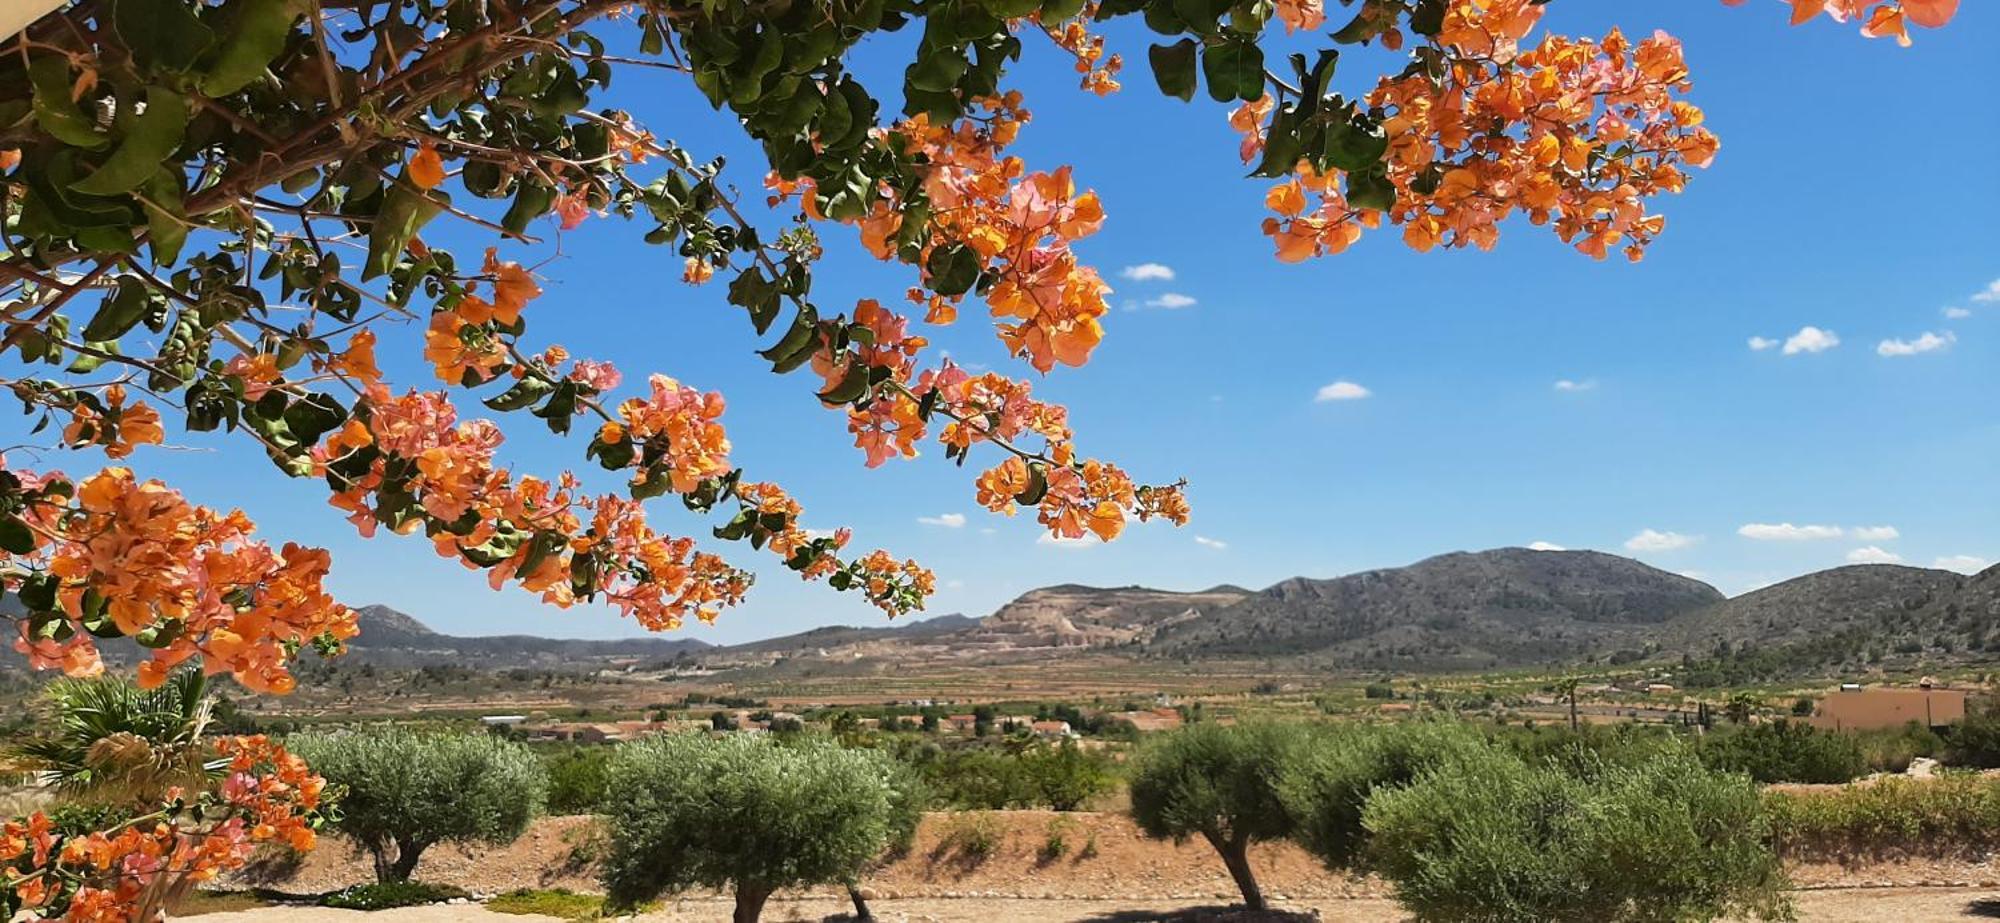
1038 485
166 219
15 536
257 30
523 394
121 311
852 386
162 33
937 70
404 210
1235 70
55 111
1173 68
150 139
953 269
1371 190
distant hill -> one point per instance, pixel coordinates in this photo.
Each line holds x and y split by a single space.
841 635
1845 619
1505 607
396 638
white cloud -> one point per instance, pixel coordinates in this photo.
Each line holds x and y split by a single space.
1873 555
1956 313
1701 575
954 584
1341 391
1170 301
1565 384
1963 563
1810 340
1545 546
1760 344
1929 342
947 520
1654 540
1989 294
1786 532
1148 272
1206 542
1050 538
1874 533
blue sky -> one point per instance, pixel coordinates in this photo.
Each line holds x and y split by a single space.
1855 194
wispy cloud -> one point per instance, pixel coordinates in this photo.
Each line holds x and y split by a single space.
1956 313
1341 391
1206 542
1655 540
1786 532
1148 272
1759 344
945 520
1874 533
1928 343
1053 540
1963 563
1171 301
1810 339
1990 294
1569 384
1873 555
1545 546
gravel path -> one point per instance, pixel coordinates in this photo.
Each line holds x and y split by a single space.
1845 905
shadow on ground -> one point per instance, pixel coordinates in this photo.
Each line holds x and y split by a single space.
1988 907
1218 914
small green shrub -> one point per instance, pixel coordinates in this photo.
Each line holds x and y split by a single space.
578 779
1495 840
1055 843
971 838
386 895
1893 749
1089 848
1785 751
561 903
1975 741
1065 776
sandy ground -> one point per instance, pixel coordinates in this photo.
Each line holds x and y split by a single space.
1846 905
1106 872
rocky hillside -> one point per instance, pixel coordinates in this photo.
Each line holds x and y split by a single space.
1844 620
1070 615
1504 607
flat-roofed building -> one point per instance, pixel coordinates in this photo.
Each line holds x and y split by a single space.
1876 707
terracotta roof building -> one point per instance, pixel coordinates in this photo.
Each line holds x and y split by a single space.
1889 707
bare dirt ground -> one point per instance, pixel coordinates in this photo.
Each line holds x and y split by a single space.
1863 905
1105 872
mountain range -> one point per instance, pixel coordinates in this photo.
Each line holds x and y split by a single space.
1503 608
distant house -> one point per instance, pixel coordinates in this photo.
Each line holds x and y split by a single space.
1051 728
960 724
494 721
1870 708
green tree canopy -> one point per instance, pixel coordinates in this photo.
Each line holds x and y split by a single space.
1221 783
403 791
750 812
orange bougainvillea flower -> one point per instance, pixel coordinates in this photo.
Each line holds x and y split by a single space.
426 169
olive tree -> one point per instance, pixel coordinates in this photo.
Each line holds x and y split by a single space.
1222 783
403 791
1494 839
752 813
1327 787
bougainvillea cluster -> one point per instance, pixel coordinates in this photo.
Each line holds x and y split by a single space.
128 872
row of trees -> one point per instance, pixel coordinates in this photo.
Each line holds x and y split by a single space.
1465 827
